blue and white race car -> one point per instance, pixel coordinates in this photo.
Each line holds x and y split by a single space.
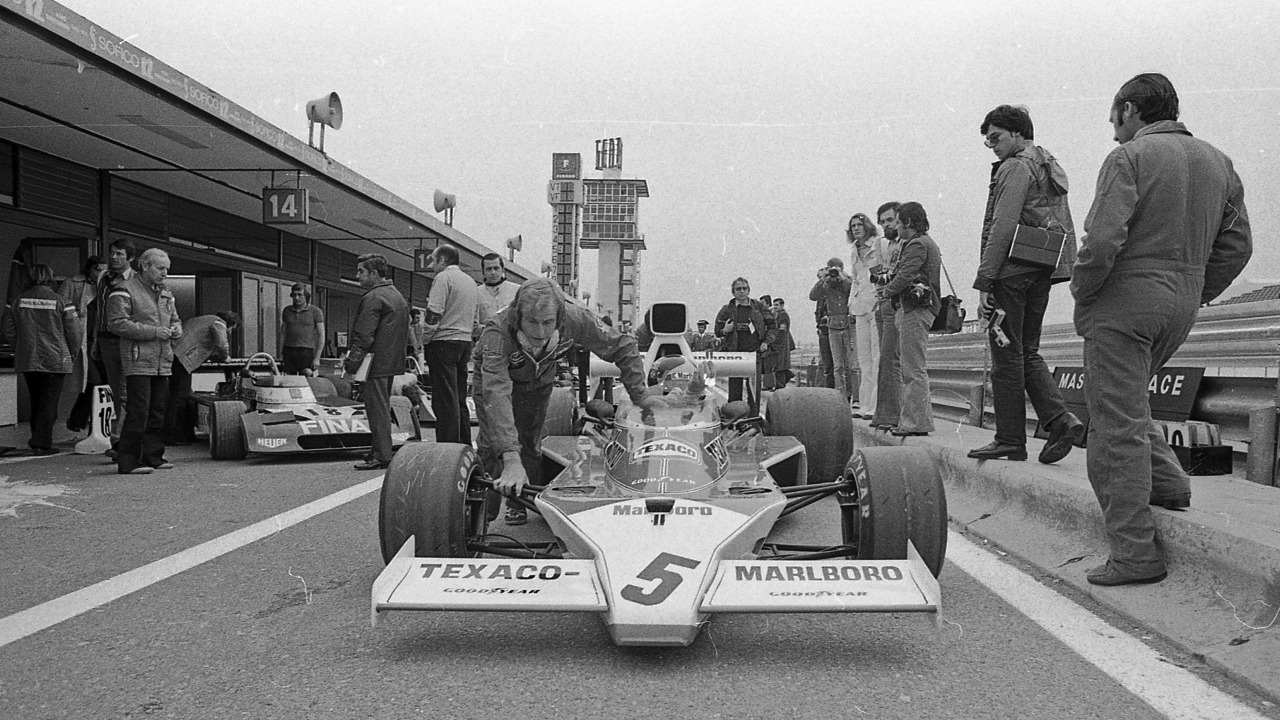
660 516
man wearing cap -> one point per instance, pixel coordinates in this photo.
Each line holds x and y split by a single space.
702 340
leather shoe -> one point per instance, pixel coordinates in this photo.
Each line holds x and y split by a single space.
39 452
140 470
1173 502
163 466
1064 434
1108 576
899 432
371 465
997 450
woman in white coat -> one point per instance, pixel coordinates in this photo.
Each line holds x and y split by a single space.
867 257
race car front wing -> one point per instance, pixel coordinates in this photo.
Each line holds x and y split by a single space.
573 585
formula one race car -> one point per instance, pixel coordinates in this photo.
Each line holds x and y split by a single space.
267 412
661 511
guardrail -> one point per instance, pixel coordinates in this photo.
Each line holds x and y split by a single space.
1237 345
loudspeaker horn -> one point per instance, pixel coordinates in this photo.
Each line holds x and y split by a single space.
516 243
326 110
444 201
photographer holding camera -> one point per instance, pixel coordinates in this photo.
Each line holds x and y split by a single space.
744 325
833 286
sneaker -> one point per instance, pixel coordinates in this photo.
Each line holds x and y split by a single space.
140 470
516 516
164 466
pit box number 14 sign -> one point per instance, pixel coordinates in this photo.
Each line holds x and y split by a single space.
285 206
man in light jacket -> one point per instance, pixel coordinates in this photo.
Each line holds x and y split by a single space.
142 313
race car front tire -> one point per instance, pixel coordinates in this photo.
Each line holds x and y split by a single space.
226 432
820 419
897 496
560 412
430 492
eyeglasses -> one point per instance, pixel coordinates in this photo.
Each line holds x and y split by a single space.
993 137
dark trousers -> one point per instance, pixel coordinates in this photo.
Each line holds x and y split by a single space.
44 390
79 417
142 435
447 363
376 393
109 354
297 359
826 363
529 408
179 425
889 375
1017 370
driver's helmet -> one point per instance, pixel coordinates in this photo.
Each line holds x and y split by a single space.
677 373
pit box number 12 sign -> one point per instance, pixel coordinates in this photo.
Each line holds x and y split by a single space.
285 206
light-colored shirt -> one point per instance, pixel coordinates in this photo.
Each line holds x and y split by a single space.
494 298
454 298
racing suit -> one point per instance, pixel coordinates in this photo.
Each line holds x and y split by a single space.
1167 232
515 385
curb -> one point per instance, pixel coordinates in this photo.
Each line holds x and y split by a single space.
1222 598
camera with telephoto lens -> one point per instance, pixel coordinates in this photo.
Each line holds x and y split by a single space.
833 273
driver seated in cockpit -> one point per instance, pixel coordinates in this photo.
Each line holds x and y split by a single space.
676 380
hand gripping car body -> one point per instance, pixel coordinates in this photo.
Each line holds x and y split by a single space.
661 514
271 413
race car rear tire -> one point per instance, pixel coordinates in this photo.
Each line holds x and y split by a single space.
431 493
898 496
322 387
560 412
819 418
226 432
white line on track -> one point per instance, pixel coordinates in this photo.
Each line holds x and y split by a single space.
1172 691
34 619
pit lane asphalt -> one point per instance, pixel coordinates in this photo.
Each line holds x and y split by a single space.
279 628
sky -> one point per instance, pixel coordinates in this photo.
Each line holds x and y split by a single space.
760 127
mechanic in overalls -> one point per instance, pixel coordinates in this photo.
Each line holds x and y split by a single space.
515 364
